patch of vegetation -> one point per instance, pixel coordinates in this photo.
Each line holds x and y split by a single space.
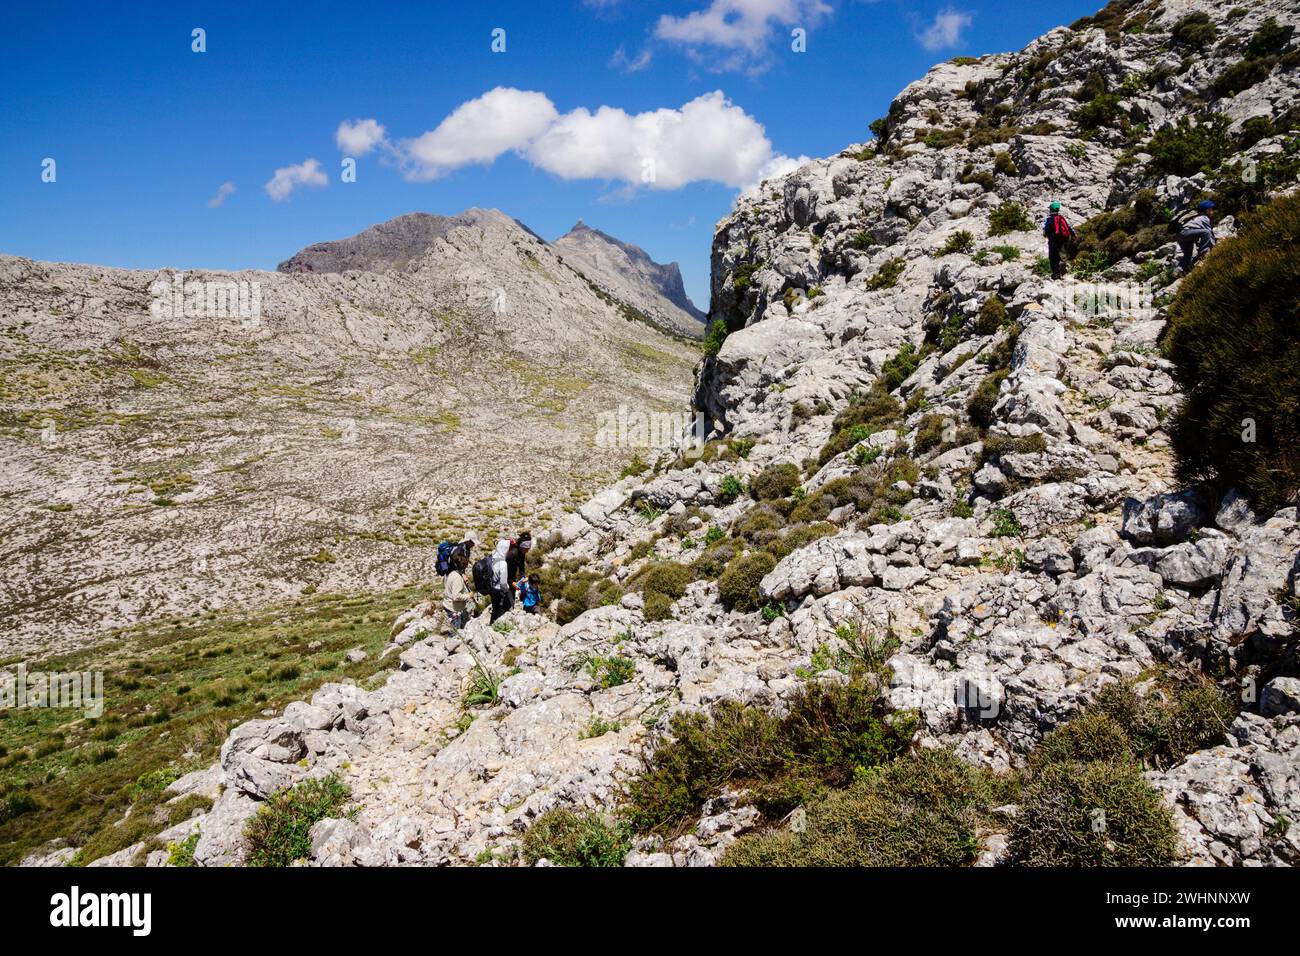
1236 346
161 728
1005 524
887 275
963 240
578 588
1263 53
775 481
566 838
992 316
1007 218
738 583
1195 30
832 733
923 809
716 336
280 831
730 489
660 583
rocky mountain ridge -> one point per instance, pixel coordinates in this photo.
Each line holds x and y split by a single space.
631 276
920 439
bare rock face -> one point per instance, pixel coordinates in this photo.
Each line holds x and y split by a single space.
631 276
388 245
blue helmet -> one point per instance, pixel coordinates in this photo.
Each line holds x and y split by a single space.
1205 204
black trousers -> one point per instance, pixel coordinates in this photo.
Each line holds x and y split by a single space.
502 601
1054 256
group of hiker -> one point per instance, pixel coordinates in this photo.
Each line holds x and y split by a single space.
1195 239
500 576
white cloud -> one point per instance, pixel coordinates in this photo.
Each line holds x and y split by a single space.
776 166
223 193
946 29
621 61
479 131
745 28
289 178
709 138
358 137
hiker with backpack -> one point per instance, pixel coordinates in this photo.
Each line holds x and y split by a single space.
502 594
517 557
455 595
1058 233
1197 236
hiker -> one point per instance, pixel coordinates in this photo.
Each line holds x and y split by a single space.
1197 235
455 595
530 595
1058 233
502 594
517 557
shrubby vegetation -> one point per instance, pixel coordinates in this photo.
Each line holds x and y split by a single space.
1235 342
567 838
280 831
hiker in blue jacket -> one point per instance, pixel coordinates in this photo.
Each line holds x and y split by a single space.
1058 233
530 595
1197 236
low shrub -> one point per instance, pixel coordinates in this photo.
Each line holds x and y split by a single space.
992 316
961 241
1009 217
980 405
279 832
566 838
730 489
1100 813
865 414
923 809
738 584
832 733
887 275
775 481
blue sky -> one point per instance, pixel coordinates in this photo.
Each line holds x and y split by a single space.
589 99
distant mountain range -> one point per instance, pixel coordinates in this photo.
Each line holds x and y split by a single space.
643 288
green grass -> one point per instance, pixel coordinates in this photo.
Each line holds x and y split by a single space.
170 687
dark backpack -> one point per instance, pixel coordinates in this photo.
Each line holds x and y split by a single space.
445 551
483 574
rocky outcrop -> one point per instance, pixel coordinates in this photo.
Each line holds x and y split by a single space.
628 274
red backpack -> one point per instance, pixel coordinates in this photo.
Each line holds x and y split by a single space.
1060 227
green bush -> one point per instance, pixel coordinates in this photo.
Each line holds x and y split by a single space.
730 489
865 414
567 838
775 481
709 565
985 397
1195 30
960 241
887 275
923 809
738 585
929 433
1101 813
1235 342
1262 54
716 336
1005 165
896 370
992 316
831 734
1187 147
280 831
1008 217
